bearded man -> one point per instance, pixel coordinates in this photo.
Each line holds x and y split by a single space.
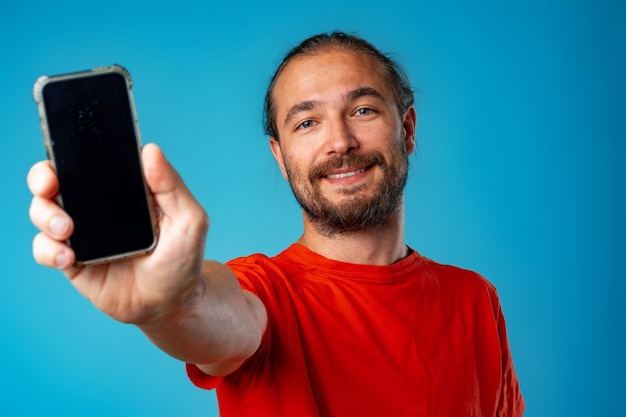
348 320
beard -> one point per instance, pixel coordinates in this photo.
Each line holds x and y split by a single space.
356 212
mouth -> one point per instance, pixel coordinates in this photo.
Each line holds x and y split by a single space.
342 175
345 168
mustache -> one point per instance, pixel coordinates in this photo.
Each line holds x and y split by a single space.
324 168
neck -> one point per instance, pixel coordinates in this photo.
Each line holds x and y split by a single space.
376 247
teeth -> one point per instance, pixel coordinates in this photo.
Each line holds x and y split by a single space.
345 174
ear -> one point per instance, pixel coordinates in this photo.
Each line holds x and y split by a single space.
409 123
278 155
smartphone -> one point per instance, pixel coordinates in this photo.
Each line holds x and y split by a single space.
91 135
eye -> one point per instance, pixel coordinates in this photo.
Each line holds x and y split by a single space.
306 124
364 111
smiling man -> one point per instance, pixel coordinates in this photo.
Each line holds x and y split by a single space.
347 321
343 145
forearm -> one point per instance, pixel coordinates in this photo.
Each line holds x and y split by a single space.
214 322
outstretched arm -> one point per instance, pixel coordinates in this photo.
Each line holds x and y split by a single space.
192 309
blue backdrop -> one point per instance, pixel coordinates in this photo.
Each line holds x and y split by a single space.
518 175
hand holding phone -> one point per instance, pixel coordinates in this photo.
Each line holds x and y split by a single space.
132 289
150 291
92 137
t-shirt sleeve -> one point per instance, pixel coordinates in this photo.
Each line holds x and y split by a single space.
511 402
202 380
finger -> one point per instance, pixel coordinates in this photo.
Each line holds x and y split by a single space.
161 176
172 195
52 253
48 217
42 180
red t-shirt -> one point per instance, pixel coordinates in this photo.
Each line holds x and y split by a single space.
414 338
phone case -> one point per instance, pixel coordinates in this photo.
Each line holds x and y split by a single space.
38 97
45 79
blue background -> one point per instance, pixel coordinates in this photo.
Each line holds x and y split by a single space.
518 176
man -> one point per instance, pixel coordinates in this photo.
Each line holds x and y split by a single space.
348 320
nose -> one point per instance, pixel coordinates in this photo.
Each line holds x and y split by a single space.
340 138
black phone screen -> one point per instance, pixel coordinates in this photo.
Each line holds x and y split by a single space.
96 153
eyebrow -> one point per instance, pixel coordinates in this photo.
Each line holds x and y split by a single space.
349 96
299 108
364 92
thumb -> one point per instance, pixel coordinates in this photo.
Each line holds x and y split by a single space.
170 192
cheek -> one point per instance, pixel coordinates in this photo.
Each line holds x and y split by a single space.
293 168
298 159
375 135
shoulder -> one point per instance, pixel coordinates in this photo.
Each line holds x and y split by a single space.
262 274
291 259
252 270
455 279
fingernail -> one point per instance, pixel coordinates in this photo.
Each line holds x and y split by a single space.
62 260
58 226
38 182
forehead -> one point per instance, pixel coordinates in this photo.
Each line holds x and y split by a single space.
326 76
